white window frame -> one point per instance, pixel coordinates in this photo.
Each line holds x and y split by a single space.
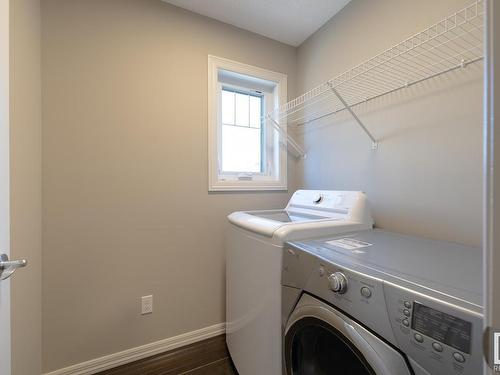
218 181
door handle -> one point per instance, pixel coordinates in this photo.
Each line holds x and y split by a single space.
8 267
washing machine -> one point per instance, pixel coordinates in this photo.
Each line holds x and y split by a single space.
381 303
254 248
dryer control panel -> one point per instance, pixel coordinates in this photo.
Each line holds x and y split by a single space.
444 339
351 292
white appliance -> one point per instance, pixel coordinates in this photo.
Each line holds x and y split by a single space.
254 250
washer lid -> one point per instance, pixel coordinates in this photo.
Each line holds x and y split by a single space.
268 222
285 216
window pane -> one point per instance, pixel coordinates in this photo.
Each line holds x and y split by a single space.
227 107
242 108
255 111
241 149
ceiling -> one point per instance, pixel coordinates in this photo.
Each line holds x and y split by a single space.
288 21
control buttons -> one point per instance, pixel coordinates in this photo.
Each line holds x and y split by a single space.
437 347
366 292
405 322
406 312
338 282
407 304
418 337
459 357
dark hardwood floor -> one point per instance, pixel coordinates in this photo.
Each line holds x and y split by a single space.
208 357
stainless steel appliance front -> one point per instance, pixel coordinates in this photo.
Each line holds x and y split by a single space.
416 303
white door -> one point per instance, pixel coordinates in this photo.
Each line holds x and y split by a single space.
4 185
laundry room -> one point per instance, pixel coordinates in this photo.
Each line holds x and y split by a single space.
252 187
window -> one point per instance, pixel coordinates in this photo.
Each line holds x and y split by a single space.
245 150
242 139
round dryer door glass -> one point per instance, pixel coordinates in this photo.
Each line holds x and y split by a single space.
312 347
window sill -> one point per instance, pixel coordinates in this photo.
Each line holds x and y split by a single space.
241 186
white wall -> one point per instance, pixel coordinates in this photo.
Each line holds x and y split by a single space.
26 190
4 178
425 178
126 210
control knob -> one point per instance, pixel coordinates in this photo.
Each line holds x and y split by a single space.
317 198
338 282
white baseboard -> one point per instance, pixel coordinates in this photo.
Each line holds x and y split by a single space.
130 355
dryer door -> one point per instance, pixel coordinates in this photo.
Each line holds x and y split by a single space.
320 340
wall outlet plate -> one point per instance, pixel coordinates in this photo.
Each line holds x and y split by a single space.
146 304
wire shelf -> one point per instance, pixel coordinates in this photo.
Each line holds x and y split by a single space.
450 44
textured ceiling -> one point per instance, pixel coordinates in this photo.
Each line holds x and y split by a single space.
288 21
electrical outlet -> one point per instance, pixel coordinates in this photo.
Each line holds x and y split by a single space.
146 304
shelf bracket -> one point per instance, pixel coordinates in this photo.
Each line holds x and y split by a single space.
348 107
287 138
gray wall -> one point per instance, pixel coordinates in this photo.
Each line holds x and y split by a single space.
126 210
125 205
425 179
26 200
